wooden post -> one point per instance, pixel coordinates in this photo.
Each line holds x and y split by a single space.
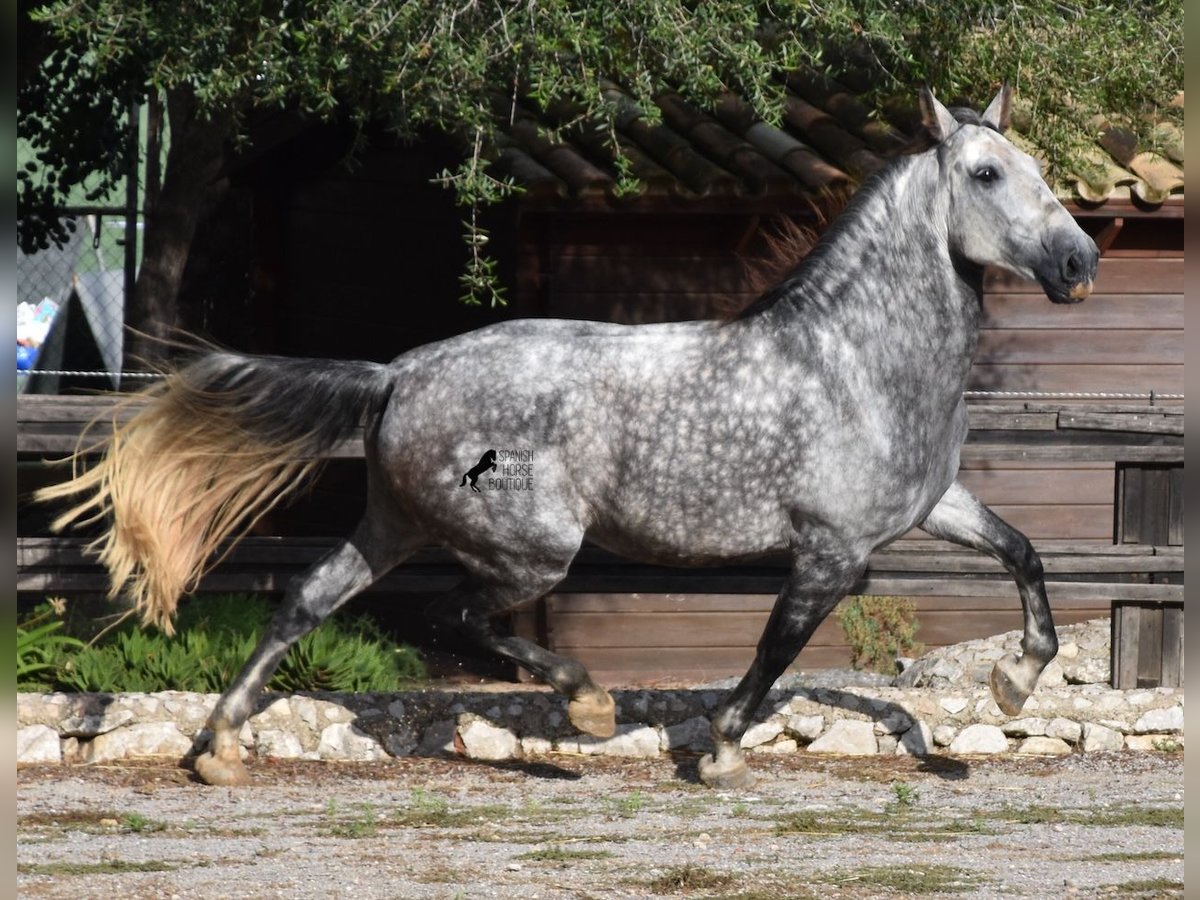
1172 647
1125 622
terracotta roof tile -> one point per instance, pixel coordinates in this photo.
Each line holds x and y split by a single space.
828 136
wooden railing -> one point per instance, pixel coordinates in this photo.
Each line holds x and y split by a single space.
1143 582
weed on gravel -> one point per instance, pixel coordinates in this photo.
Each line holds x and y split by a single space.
687 879
889 825
428 810
563 855
1118 817
108 867
362 823
1147 856
921 881
1146 888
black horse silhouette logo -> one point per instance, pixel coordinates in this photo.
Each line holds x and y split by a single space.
487 461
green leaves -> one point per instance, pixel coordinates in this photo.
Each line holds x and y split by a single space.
413 65
878 629
39 644
215 638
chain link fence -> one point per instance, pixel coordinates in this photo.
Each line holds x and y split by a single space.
71 307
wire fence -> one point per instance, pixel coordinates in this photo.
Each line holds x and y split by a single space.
71 307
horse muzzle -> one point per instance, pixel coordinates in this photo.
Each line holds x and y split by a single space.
1071 271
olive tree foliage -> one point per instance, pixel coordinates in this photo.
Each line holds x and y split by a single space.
461 66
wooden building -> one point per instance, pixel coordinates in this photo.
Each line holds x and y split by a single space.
363 262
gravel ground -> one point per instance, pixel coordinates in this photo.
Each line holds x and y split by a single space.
572 827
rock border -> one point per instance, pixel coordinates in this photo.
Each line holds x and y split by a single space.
528 722
939 703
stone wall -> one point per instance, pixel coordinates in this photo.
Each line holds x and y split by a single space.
938 704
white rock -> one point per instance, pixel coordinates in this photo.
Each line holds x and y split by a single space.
631 739
979 739
847 736
337 714
954 705
1148 741
1065 729
306 710
532 745
1052 675
96 723
805 728
1098 737
917 741
483 740
887 743
946 669
1069 650
1160 720
341 740
691 734
761 733
896 722
943 735
38 744
1044 746
787 745
132 741
280 711
1026 727
278 744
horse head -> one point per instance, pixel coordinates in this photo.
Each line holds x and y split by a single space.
1001 212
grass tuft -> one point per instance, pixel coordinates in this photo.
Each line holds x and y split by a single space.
108 867
918 880
689 878
562 855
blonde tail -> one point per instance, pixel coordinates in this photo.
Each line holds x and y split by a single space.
215 446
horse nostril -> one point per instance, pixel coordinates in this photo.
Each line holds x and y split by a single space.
1072 267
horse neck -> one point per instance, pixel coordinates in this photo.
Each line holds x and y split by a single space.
884 276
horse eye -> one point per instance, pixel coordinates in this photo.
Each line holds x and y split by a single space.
986 173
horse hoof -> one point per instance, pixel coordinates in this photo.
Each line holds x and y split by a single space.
594 714
735 776
221 772
1005 683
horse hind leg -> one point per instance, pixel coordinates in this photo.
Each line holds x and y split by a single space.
468 609
311 597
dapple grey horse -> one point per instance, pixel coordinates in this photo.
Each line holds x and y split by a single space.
824 422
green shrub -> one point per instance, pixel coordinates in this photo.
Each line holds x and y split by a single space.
878 629
40 643
214 638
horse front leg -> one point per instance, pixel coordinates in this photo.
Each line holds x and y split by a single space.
809 595
961 518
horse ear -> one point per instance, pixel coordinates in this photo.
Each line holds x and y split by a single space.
999 110
938 120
